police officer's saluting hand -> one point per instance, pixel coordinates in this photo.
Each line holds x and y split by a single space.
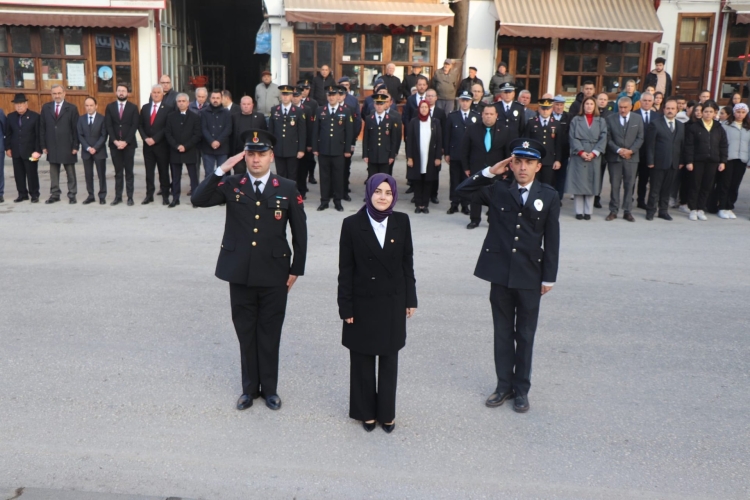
255 257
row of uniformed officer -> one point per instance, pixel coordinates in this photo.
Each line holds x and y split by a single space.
453 135
381 140
255 257
545 129
289 127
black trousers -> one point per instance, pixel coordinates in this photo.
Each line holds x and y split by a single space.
514 314
378 168
287 167
728 184
366 401
661 184
644 174
457 174
331 178
560 177
310 159
546 175
123 160
101 172
157 156
258 315
192 170
422 191
701 181
26 171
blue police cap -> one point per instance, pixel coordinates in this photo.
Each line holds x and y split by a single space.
528 148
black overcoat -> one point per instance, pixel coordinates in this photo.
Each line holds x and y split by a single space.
376 284
183 130
435 150
59 136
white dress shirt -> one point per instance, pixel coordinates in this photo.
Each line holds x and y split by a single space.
379 117
91 118
380 228
285 109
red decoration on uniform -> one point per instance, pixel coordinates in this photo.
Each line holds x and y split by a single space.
244 180
275 182
299 199
277 215
221 183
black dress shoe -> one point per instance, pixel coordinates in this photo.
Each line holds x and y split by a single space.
147 200
347 197
642 205
174 203
72 201
435 200
521 404
244 402
586 216
472 225
665 216
579 216
116 201
312 180
388 428
130 202
425 210
20 199
413 199
102 201
338 207
323 206
165 200
35 199
649 216
466 211
597 202
51 201
410 190
273 402
369 427
417 210
88 200
498 398
452 210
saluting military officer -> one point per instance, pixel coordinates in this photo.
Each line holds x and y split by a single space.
545 129
255 257
453 135
520 258
289 128
381 139
332 138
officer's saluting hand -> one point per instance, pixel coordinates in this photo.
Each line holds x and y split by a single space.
255 257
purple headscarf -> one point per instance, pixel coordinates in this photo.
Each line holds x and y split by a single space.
370 186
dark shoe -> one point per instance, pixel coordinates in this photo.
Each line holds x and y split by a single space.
312 180
273 402
472 225
425 210
174 203
72 201
586 216
304 196
130 202
159 193
147 200
116 201
369 427
322 207
88 200
2 200
190 191
338 207
465 211
244 402
34 199
521 404
665 216
417 210
497 399
347 198
611 216
434 200
649 216
628 217
597 202
20 199
388 428
642 205
410 190
165 200
579 216
51 201
452 210
102 201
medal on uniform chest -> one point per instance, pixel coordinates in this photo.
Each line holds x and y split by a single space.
277 215
387 132
292 122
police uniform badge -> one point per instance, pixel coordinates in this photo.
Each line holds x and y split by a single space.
515 112
538 204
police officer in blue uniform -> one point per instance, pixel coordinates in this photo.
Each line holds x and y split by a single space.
453 134
519 258
381 139
255 257
511 113
289 127
545 129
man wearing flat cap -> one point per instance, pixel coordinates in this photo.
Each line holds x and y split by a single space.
23 146
289 127
266 95
255 257
519 258
468 82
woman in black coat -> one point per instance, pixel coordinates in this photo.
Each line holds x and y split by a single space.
706 151
423 153
377 293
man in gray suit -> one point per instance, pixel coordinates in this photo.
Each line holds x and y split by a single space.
59 140
93 136
624 141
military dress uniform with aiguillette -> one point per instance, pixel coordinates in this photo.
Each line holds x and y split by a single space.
332 137
380 142
453 136
289 127
546 131
519 254
256 260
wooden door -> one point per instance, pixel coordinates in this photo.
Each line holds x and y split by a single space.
312 53
695 32
527 60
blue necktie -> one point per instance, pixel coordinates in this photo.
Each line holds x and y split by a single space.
488 140
521 192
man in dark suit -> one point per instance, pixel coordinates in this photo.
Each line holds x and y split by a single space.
412 102
170 95
381 139
228 103
155 146
543 128
92 133
606 108
248 119
562 118
59 139
520 258
453 135
351 104
216 127
648 113
624 141
199 104
484 144
332 138
511 113
23 146
410 80
288 125
664 139
122 119
183 133
304 162
255 258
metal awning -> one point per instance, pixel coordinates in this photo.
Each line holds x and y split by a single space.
398 12
613 20
742 9
79 18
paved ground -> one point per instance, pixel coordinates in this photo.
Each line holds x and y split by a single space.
120 367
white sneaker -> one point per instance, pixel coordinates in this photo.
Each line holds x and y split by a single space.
693 214
684 209
724 214
701 215
731 214
673 203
